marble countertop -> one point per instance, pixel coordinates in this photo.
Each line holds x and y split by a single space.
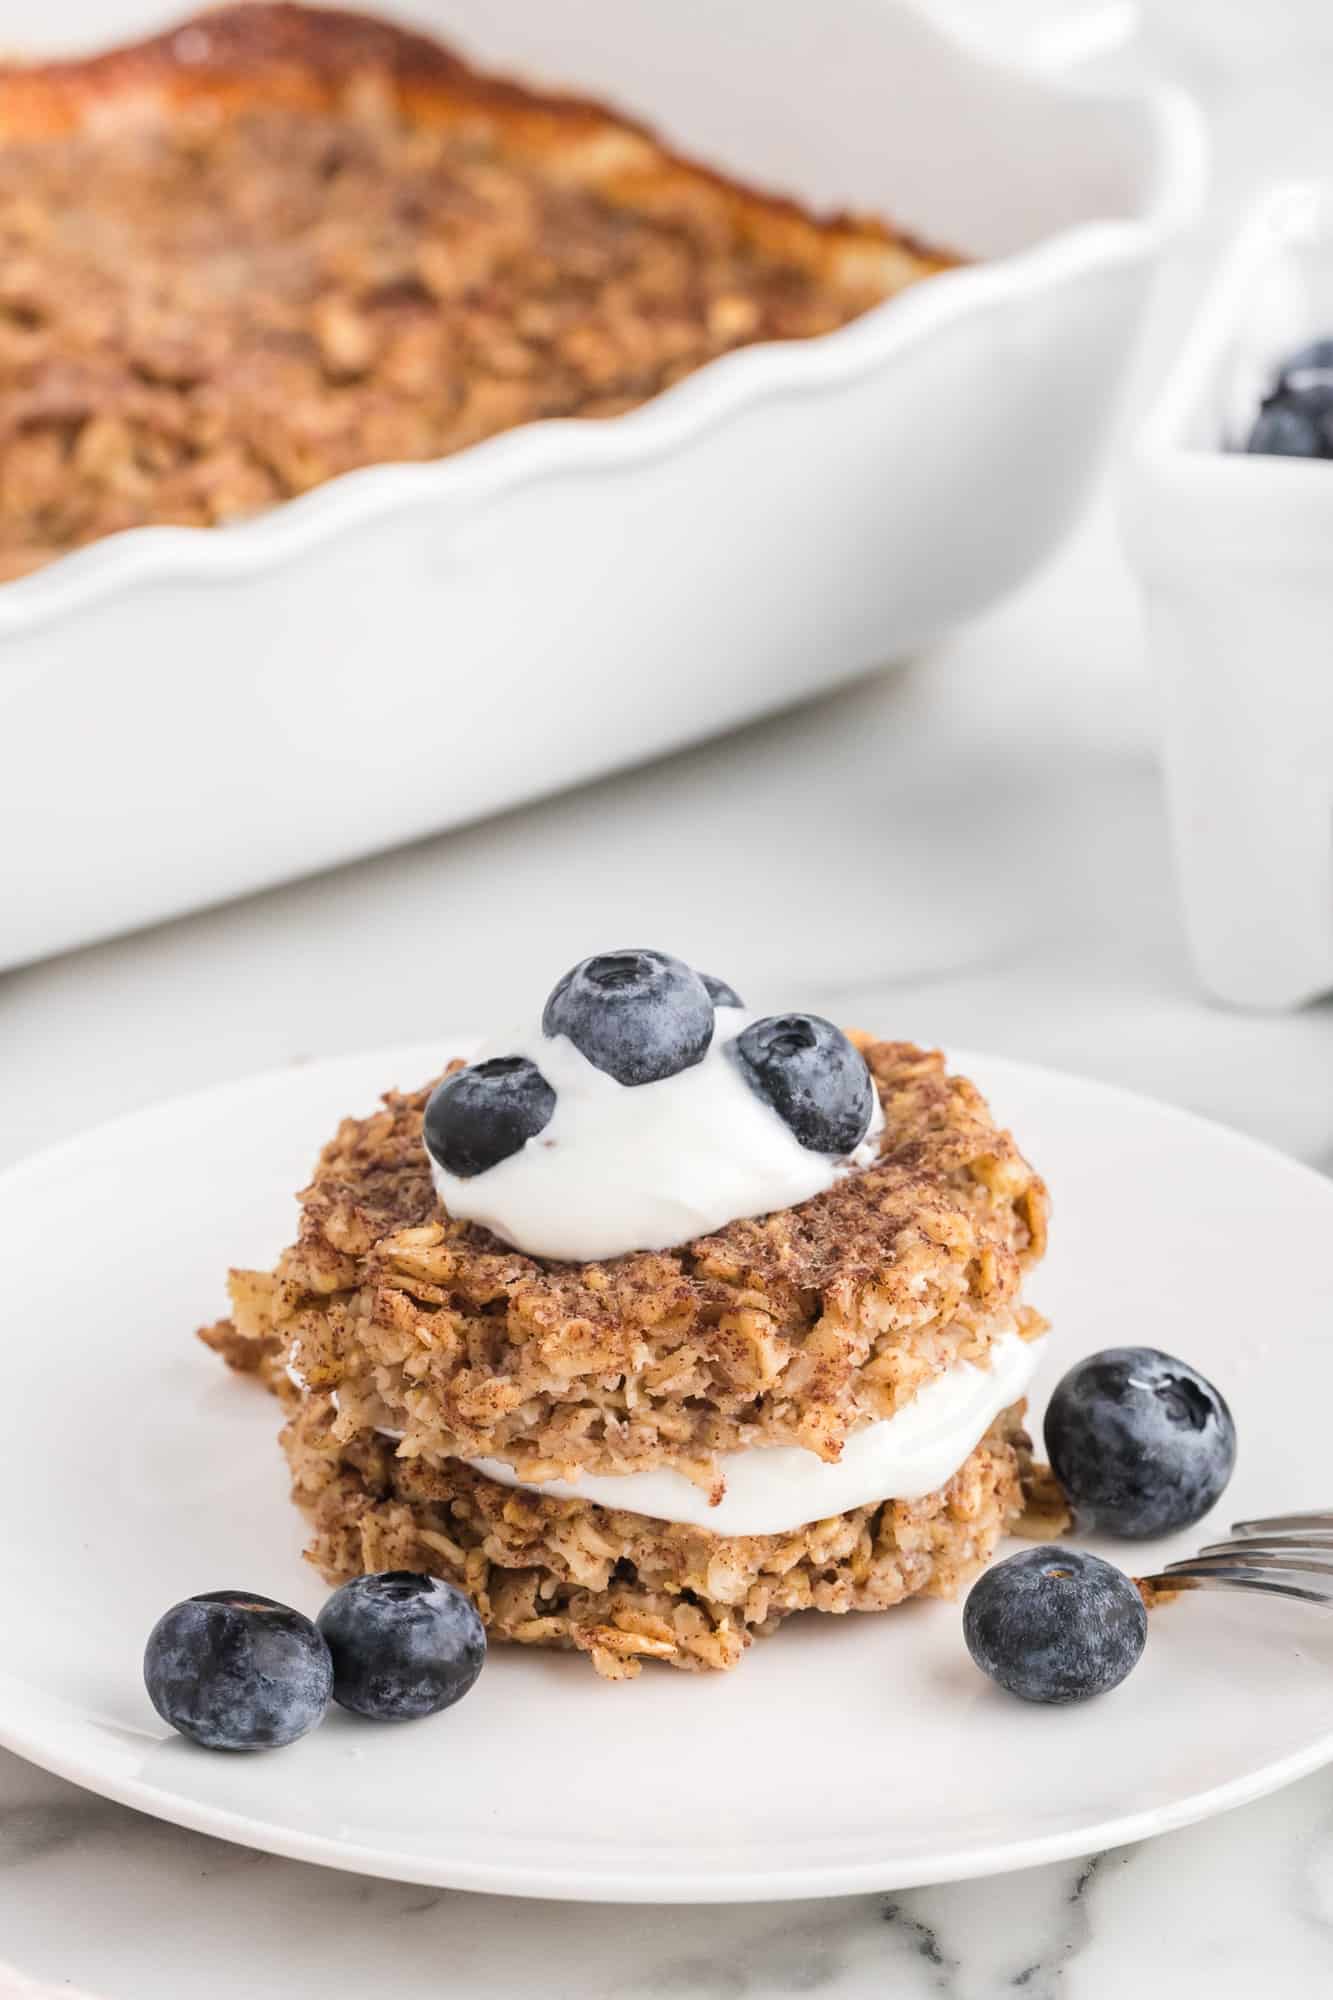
968 849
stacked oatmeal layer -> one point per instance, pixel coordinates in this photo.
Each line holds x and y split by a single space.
407 1344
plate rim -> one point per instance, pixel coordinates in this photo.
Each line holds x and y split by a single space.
754 1883
791 1883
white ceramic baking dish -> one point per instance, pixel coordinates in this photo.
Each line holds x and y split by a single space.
1235 553
189 714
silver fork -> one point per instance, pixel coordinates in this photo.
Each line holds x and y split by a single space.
1285 1555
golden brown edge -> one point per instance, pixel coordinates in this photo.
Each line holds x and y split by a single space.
300 56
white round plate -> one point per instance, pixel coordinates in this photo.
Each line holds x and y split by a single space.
844 1754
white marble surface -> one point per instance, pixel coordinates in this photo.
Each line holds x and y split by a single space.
970 849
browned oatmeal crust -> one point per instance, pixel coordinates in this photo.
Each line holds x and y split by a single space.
1047 1514
278 243
622 1588
1155 1593
794 1328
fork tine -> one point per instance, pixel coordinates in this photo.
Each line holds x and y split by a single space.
1185 1578
1276 1544
1236 1557
1279 1523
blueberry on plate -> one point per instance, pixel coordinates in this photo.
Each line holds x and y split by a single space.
637 1015
1284 430
237 1672
719 992
403 1645
479 1116
811 1075
1055 1624
1141 1443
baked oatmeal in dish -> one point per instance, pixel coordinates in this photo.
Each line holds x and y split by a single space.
657 1323
278 244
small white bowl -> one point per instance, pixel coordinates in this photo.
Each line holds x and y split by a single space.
1235 554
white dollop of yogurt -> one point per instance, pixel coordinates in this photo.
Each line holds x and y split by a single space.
771 1490
775 1489
646 1167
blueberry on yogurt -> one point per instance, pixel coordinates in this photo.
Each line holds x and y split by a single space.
1055 1625
481 1115
403 1645
637 1015
811 1075
234 1671
1141 1443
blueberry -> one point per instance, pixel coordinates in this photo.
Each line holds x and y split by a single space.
1283 430
1055 1624
811 1075
479 1116
403 1645
1309 371
1296 420
237 1672
1141 1443
637 1015
719 992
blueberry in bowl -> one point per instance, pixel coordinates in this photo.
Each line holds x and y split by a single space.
812 1076
1295 419
403 1645
1142 1443
1284 431
1055 1625
234 1671
1308 374
486 1113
